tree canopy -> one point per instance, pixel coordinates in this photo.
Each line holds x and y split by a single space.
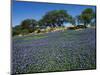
86 16
29 24
55 18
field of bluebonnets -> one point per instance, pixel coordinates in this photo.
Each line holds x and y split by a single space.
55 51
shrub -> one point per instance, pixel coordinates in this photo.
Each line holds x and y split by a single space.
24 31
81 26
71 28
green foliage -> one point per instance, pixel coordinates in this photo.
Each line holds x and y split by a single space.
35 37
54 20
24 32
29 24
26 26
86 16
16 30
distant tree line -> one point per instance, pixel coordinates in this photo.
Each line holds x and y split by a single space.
55 18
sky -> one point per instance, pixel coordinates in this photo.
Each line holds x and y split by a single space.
35 10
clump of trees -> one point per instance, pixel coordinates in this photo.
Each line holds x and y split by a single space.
86 17
29 24
55 18
26 26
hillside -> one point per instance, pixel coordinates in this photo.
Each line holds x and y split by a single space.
55 51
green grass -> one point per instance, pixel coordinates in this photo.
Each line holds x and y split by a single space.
35 37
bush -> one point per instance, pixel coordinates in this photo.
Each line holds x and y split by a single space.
81 26
16 30
76 27
72 28
24 31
